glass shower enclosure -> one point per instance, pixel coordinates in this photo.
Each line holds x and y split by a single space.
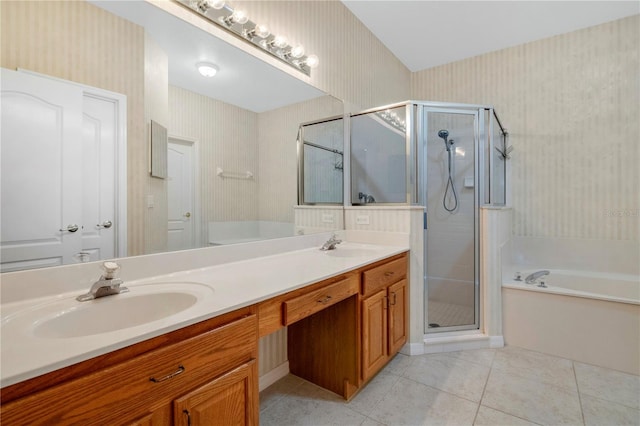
449 159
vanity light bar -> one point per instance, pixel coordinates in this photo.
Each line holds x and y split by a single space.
238 23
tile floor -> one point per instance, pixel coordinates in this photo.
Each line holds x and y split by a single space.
508 386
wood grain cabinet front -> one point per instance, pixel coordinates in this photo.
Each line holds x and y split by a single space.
384 314
141 390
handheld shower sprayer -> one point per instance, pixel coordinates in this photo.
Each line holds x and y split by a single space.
444 134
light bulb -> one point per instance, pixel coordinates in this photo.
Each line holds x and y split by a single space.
204 5
297 52
239 16
207 69
280 41
312 61
261 31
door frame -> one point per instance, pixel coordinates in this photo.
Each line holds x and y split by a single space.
120 103
198 222
478 128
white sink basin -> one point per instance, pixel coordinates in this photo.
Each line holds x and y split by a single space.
350 252
144 304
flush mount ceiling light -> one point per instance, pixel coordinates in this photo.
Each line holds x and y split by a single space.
238 23
207 69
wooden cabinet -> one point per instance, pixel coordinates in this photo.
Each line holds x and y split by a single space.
227 400
384 314
144 389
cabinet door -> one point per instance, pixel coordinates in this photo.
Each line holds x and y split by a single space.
231 399
397 316
374 333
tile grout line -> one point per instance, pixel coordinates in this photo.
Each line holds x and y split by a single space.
575 376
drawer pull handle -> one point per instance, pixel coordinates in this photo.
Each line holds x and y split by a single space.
180 370
325 300
389 273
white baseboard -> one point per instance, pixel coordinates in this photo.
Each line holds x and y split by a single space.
496 341
412 349
457 342
273 376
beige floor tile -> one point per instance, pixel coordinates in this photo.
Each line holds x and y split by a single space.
532 400
490 417
398 364
456 376
598 412
607 384
371 422
367 399
310 405
285 386
479 356
412 403
536 366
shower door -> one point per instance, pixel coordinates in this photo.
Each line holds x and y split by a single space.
451 196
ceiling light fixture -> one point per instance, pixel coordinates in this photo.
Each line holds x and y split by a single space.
207 69
237 21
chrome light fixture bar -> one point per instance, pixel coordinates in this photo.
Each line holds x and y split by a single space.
237 22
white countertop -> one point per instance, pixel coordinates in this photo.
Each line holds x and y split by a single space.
25 355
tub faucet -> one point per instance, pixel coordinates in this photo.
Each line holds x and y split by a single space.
533 277
106 285
331 243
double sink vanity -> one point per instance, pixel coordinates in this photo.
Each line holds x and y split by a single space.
182 348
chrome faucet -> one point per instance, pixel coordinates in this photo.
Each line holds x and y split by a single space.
331 243
533 277
107 285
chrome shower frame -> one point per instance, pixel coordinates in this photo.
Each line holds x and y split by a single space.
416 150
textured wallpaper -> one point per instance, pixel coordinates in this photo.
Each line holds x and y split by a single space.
79 42
571 104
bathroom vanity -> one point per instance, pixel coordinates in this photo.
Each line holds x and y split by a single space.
341 330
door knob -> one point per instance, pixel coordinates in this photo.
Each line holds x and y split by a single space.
70 228
187 215
106 224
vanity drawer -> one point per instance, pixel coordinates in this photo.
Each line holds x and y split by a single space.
128 390
381 276
307 304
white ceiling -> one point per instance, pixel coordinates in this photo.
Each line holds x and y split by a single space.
424 34
242 80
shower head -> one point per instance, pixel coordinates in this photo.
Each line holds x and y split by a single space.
444 134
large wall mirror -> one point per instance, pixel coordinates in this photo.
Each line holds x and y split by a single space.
231 157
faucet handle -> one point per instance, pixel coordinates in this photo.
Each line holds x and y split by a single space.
110 269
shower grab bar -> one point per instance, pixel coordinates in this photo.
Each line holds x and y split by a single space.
234 175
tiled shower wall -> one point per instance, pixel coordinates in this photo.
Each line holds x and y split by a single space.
571 103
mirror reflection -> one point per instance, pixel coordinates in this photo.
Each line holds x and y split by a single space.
231 153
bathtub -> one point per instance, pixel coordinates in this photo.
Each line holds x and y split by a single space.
591 317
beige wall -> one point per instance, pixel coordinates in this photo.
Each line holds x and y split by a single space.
354 65
571 104
277 178
227 137
80 42
156 103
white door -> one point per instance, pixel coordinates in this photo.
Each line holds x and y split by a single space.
41 211
181 194
99 140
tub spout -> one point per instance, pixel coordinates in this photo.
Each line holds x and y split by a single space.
533 277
